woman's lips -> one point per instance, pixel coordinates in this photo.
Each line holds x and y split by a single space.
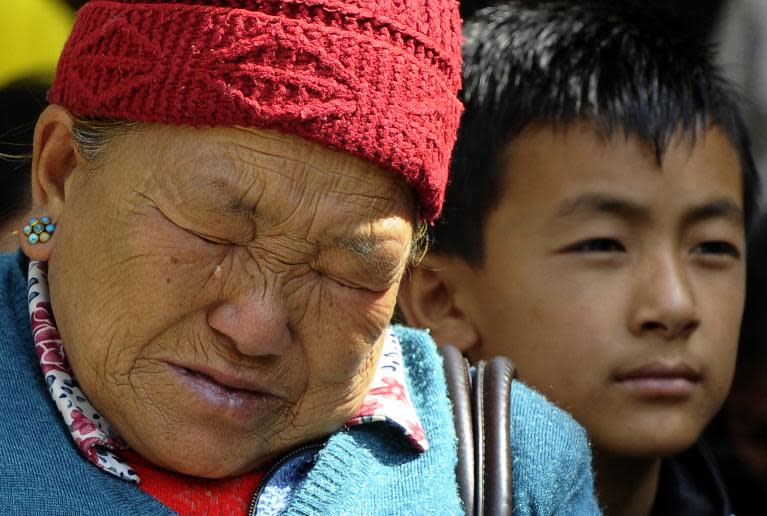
660 380
239 398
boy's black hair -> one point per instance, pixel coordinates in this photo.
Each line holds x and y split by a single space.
559 61
697 17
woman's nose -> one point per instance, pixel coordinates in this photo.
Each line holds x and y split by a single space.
257 326
664 302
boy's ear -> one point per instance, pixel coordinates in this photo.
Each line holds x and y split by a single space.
54 158
427 299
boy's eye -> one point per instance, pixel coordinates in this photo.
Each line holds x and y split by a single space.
596 245
717 248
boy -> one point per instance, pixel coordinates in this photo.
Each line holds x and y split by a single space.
594 232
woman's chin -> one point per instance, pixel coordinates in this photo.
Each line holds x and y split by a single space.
216 471
207 461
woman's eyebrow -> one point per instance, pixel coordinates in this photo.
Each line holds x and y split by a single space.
222 198
236 207
372 251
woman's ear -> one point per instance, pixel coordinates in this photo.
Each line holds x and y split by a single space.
54 158
427 299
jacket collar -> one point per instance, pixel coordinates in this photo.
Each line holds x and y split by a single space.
690 485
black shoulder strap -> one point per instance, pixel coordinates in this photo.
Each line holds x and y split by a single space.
481 400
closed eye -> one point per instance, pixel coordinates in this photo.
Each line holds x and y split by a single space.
345 283
209 239
348 283
350 287
596 245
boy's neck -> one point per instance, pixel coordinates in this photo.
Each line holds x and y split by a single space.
626 486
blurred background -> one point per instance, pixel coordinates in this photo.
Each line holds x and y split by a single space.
32 34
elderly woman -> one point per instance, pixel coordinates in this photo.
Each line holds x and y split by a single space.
226 196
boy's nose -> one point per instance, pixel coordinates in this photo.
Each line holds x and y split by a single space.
664 302
257 326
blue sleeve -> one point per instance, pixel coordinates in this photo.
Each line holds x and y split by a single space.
551 459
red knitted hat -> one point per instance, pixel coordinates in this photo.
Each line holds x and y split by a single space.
376 78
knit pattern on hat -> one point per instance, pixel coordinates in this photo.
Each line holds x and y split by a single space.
374 78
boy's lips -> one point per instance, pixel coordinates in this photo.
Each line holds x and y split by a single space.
660 379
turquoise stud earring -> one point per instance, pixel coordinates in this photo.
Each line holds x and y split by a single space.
39 230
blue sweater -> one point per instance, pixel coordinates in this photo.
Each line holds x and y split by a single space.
360 471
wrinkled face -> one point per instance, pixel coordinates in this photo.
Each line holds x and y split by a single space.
222 293
615 284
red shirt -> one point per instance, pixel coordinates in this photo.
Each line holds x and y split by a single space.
191 496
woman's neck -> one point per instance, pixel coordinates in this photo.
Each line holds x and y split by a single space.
626 486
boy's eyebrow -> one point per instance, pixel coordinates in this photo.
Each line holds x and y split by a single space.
603 203
723 208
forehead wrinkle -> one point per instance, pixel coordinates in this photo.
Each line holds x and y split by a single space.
213 170
354 173
259 159
315 175
379 204
321 181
